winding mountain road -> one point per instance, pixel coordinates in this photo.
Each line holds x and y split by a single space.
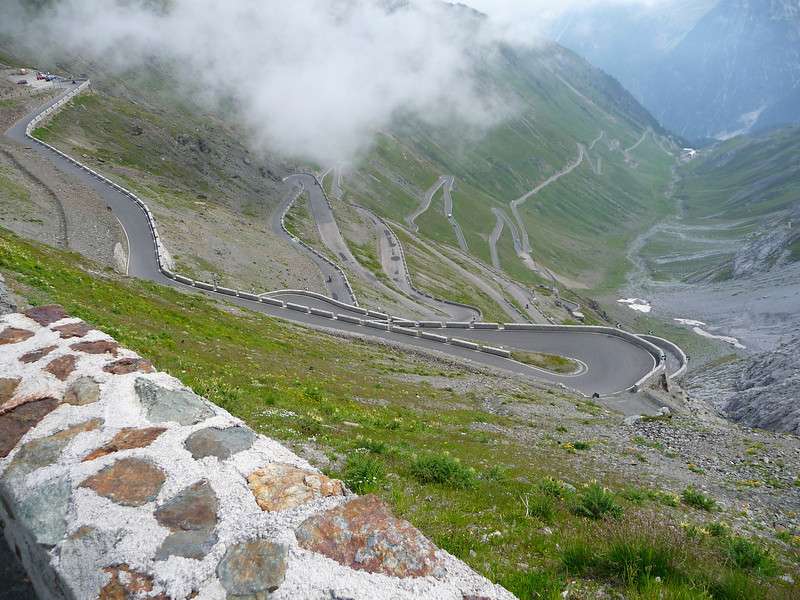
448 212
427 198
615 361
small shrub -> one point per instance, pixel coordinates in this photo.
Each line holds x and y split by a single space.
718 529
373 446
553 488
750 556
363 473
634 495
635 558
596 503
735 585
533 584
697 499
579 556
540 506
581 445
442 469
496 473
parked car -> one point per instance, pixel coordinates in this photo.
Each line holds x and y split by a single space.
22 82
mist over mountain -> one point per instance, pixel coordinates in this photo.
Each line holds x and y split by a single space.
705 69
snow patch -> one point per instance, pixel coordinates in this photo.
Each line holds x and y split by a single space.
637 304
724 338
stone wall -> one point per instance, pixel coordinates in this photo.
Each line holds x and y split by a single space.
118 482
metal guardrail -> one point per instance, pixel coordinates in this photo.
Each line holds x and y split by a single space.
655 351
407 273
311 248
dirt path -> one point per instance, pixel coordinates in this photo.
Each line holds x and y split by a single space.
450 214
425 204
526 246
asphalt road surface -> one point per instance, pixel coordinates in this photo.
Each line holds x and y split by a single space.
334 281
613 363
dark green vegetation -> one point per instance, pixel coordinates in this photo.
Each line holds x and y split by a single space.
740 206
549 362
484 497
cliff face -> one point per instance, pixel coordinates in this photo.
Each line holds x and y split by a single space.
704 69
736 71
760 391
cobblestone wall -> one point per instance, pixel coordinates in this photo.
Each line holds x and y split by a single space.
116 481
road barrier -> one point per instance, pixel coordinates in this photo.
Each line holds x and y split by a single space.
457 325
272 301
349 319
297 307
311 248
318 296
431 324
377 315
404 323
377 325
405 331
683 360
486 325
465 344
496 351
407 273
321 313
249 296
432 337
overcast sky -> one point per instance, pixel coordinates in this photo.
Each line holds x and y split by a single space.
312 78
523 20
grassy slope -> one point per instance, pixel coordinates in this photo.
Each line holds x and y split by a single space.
582 217
739 189
410 442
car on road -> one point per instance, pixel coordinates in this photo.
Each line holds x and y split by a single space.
22 82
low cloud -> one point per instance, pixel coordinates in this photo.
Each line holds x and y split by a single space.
309 78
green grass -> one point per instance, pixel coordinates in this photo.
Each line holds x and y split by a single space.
697 499
416 446
548 362
12 192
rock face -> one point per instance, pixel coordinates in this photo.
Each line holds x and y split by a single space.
127 439
17 422
8 386
62 366
44 510
124 366
126 583
36 355
282 487
82 391
98 347
253 568
13 335
46 315
222 443
192 517
7 304
758 391
130 482
363 535
45 451
163 405
73 330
